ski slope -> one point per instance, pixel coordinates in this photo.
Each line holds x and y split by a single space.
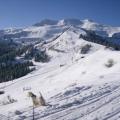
75 86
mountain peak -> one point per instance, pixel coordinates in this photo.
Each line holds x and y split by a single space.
88 20
70 21
46 22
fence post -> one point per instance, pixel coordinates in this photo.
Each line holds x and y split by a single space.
33 113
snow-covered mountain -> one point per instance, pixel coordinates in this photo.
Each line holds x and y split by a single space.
81 80
46 29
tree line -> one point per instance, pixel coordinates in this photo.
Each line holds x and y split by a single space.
12 68
106 41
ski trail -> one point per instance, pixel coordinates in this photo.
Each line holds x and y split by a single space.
84 107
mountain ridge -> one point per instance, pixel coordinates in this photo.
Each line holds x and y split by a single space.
104 30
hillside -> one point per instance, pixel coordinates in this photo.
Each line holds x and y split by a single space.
81 80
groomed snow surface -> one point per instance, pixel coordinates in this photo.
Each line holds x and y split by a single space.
75 86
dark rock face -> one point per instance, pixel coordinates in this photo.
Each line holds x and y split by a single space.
46 22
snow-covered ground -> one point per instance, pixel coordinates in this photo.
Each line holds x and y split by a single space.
75 86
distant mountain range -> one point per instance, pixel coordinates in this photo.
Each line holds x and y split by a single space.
48 29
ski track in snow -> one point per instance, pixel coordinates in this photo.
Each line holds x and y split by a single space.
86 105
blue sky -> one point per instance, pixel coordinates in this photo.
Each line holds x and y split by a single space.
18 13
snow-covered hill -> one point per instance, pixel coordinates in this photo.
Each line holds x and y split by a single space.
81 81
